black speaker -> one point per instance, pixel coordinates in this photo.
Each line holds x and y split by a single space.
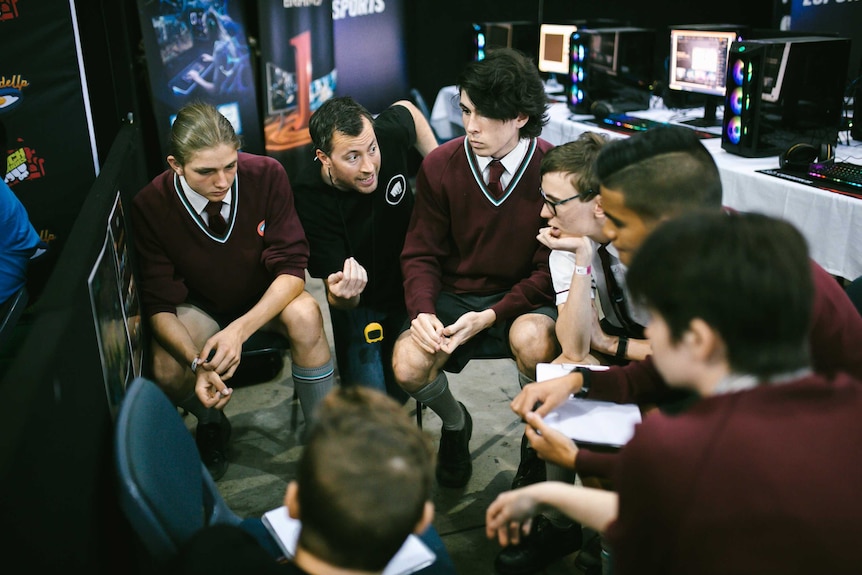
801 155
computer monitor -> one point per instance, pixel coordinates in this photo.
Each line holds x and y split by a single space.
698 63
554 48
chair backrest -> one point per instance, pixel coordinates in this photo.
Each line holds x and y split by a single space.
166 492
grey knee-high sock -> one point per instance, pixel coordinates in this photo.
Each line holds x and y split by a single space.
437 396
311 385
204 414
524 380
558 473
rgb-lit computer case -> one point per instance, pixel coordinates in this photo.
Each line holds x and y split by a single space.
783 91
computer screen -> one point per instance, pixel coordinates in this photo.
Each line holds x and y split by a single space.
698 60
698 64
554 50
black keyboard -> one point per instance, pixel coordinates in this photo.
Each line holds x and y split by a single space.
843 173
628 124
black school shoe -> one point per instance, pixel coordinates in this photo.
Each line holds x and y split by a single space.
546 544
531 469
454 466
589 560
212 440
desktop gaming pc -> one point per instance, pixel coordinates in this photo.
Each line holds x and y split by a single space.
612 64
783 91
521 35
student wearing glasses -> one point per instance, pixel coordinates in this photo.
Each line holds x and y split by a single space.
609 330
592 325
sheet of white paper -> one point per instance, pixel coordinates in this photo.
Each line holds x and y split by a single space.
586 420
413 555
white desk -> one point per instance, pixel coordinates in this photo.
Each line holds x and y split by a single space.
830 222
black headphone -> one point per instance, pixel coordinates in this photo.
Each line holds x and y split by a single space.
801 155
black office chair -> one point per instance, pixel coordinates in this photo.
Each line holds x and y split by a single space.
262 358
166 492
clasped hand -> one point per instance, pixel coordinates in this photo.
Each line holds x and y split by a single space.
432 336
224 350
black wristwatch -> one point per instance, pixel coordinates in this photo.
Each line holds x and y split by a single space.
622 347
586 374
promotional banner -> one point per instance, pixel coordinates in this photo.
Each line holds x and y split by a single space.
370 52
298 71
198 51
842 17
50 151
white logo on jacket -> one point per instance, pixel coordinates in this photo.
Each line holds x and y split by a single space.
395 190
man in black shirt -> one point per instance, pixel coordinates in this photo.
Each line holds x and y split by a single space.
355 200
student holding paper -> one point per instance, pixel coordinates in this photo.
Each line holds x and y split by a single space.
582 266
363 485
756 477
644 180
647 179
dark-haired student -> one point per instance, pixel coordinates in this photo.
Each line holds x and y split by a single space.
476 280
758 477
354 199
645 180
362 449
222 254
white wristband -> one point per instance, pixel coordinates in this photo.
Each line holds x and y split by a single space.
195 363
582 270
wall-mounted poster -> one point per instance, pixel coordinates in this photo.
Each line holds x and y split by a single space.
198 50
362 30
840 17
298 60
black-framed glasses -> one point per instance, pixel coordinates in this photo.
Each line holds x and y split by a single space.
552 205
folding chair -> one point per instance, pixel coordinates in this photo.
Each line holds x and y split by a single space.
166 492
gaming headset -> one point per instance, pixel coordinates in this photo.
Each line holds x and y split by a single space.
801 155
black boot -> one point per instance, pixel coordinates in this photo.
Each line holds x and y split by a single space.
531 469
546 544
